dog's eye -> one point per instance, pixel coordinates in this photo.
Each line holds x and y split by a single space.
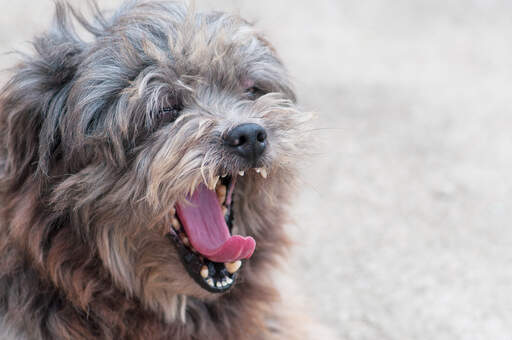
254 92
170 113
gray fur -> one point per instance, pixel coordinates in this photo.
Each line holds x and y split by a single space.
90 171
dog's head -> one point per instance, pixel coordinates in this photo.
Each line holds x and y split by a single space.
165 145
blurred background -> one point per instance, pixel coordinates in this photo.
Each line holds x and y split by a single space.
403 222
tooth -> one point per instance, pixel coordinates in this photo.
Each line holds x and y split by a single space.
257 170
184 239
173 211
224 211
221 193
210 282
263 172
225 175
232 267
229 281
175 223
241 173
224 283
219 285
204 272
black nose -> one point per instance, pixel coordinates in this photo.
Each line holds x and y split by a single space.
247 140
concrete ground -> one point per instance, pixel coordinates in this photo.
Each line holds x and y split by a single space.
404 217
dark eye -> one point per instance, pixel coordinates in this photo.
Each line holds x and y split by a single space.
254 92
170 113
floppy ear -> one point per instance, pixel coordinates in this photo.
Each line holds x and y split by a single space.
33 101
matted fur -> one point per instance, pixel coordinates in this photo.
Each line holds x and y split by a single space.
89 172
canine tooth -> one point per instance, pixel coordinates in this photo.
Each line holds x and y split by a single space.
232 267
210 282
224 175
229 280
257 170
221 193
219 285
175 223
184 239
263 173
204 272
241 173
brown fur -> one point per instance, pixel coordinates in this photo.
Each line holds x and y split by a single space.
88 174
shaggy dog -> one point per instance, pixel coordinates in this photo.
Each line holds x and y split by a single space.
144 176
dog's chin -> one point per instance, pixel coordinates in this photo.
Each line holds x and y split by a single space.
202 230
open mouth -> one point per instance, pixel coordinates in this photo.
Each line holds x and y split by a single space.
201 229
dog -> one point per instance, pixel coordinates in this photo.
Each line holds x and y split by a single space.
146 167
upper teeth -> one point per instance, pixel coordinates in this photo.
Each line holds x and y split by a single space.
262 172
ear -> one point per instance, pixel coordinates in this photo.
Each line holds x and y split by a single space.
33 101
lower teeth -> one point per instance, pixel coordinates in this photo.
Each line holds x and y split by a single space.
175 223
233 267
204 272
214 280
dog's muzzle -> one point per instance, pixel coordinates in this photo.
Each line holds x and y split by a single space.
201 229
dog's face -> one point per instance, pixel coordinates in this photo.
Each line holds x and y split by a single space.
173 150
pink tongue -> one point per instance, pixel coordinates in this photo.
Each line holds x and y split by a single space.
207 230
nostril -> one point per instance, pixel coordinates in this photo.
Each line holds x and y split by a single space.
242 140
236 141
261 137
